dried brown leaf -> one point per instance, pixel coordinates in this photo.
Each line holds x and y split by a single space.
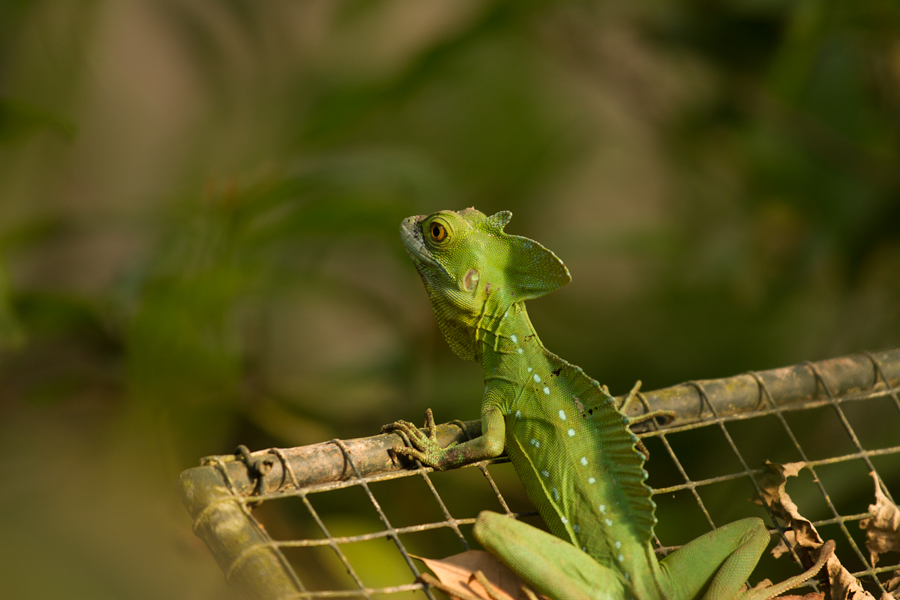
457 573
803 535
883 527
844 586
781 547
893 584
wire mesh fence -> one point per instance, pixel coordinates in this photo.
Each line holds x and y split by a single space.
269 517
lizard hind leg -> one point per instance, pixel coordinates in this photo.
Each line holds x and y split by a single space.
546 563
722 560
715 565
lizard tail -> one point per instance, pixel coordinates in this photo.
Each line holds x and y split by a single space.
778 589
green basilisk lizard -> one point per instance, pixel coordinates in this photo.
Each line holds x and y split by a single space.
569 444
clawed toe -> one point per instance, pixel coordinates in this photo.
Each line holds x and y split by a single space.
397 426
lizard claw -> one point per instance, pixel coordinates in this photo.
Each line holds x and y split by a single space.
425 447
399 427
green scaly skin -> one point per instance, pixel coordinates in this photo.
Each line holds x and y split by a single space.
569 444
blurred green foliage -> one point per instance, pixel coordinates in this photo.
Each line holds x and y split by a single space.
199 206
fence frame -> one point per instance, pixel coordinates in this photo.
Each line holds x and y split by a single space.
220 494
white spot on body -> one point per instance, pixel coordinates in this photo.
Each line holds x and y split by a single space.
608 522
514 339
571 433
535 443
591 480
520 351
555 494
618 544
546 390
537 378
576 528
603 508
530 369
545 473
564 520
621 558
518 414
562 415
584 460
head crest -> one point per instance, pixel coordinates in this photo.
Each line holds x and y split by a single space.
499 220
531 269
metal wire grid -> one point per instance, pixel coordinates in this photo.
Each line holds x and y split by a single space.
772 409
335 542
293 487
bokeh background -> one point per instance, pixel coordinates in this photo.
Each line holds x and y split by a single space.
200 202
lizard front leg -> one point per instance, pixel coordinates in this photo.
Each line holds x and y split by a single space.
426 449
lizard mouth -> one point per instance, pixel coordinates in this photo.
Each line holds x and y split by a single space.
411 234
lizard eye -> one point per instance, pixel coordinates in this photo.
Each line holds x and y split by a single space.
438 232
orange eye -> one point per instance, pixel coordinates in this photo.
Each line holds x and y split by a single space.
438 232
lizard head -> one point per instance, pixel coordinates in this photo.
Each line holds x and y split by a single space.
471 267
